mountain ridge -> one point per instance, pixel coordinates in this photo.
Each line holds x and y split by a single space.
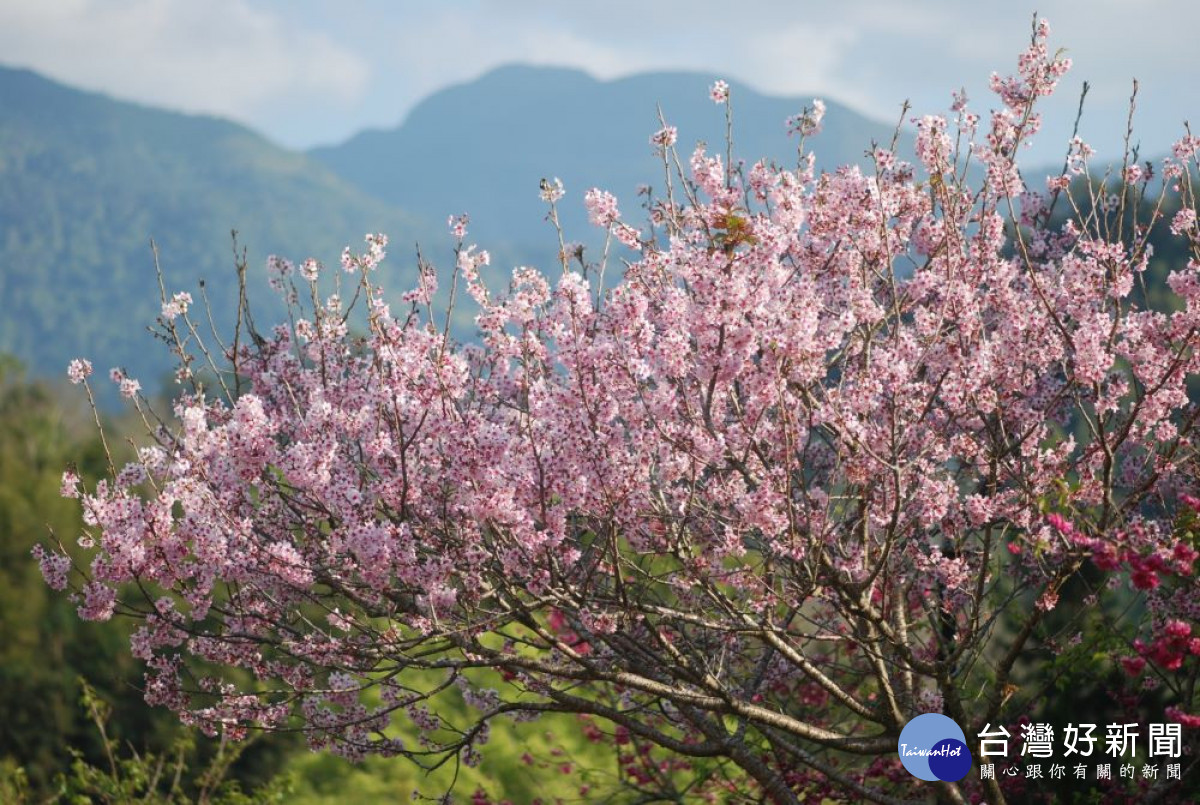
482 146
87 181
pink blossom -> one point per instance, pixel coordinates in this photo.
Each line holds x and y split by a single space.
128 386
960 101
1184 221
1061 524
99 602
808 122
1079 154
54 567
1186 148
551 191
1186 719
367 261
601 207
1177 628
177 306
719 91
70 484
664 137
79 370
1133 665
310 269
1047 601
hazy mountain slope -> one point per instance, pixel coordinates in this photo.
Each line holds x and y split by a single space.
481 147
86 182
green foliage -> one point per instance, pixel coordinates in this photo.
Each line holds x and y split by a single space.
549 758
179 775
46 647
322 779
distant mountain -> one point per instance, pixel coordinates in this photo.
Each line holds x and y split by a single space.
482 147
87 181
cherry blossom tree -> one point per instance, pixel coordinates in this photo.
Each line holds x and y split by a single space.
827 454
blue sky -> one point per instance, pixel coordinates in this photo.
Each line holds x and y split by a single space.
308 72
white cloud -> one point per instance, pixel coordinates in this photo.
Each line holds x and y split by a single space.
451 45
798 58
220 56
311 70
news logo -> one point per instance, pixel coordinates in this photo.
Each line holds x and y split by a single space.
932 747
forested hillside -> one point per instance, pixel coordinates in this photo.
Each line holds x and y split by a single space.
86 182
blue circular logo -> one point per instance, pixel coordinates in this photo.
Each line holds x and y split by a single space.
932 747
